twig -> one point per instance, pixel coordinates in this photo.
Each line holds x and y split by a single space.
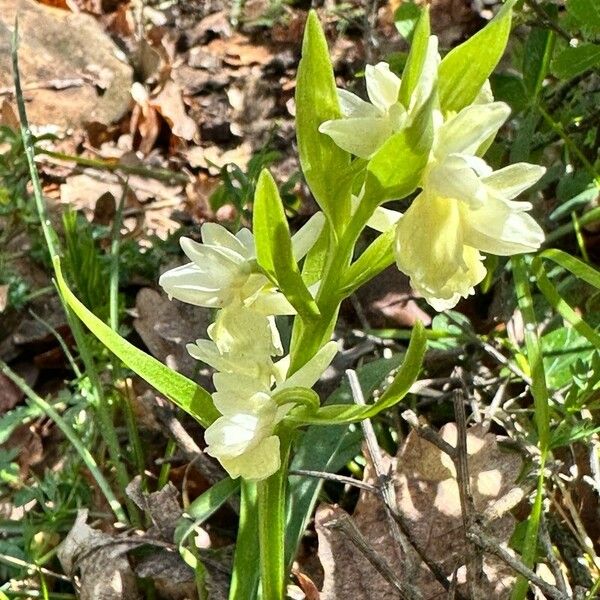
346 526
488 544
475 576
337 478
384 481
552 560
428 433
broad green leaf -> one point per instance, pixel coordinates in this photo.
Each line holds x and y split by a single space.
326 449
536 59
416 57
274 246
182 391
466 68
378 256
406 18
587 12
314 263
324 164
575 61
406 376
395 169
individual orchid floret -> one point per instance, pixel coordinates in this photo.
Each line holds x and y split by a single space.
242 340
224 269
244 439
366 126
465 208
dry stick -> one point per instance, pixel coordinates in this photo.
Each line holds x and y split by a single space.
346 526
337 478
553 562
488 544
384 481
400 525
429 434
475 576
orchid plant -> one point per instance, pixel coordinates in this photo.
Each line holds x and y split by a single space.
421 137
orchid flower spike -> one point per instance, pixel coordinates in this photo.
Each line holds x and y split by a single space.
465 208
224 270
366 126
244 439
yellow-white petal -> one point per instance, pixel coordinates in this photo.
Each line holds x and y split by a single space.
361 136
257 463
304 239
353 106
472 126
496 228
383 86
513 180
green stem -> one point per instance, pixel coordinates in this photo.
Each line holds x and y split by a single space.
541 397
103 165
271 527
307 338
591 216
71 436
244 576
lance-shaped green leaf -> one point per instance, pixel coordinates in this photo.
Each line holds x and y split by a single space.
580 270
587 12
274 247
406 376
575 61
395 169
416 58
378 256
466 68
536 59
182 391
324 164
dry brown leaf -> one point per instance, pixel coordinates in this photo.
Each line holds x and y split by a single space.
169 103
427 495
166 326
4 296
214 158
240 51
100 558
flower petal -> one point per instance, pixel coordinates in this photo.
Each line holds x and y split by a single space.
352 106
511 181
214 234
361 136
189 284
200 253
471 127
429 241
310 373
258 463
304 239
454 178
498 229
383 86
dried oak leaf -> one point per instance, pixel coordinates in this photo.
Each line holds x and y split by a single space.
428 497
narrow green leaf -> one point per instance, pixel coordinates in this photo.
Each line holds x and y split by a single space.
274 246
406 376
182 391
416 57
204 506
246 563
587 12
575 61
466 68
323 162
536 59
378 256
580 270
